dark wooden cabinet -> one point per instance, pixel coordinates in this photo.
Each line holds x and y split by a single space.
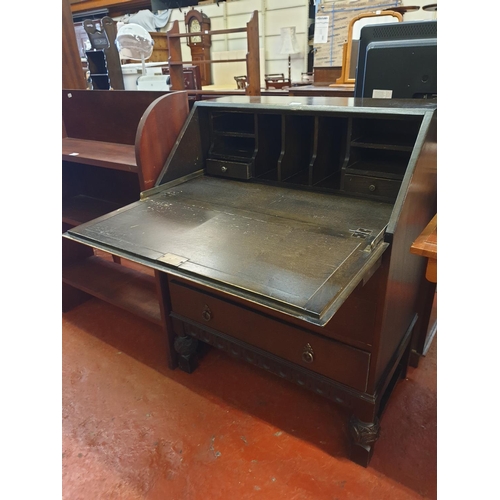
279 230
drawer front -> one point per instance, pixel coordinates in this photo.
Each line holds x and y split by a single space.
232 169
330 358
371 186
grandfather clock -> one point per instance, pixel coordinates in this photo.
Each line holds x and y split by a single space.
198 22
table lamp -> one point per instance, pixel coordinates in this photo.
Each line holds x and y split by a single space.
289 46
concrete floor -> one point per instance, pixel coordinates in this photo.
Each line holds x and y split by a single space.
132 429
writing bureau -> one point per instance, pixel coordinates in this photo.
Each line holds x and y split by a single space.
280 228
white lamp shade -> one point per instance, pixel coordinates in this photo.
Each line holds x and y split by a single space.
289 43
134 42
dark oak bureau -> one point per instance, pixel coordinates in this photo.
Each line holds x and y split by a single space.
280 230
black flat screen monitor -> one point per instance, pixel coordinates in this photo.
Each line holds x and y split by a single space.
397 60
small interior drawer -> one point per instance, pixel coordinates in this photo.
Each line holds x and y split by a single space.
328 357
225 168
371 186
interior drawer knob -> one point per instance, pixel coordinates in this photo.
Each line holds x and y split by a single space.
308 354
372 187
224 168
207 313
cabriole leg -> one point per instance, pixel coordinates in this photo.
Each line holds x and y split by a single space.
186 349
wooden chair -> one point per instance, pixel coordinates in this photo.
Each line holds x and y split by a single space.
350 48
241 82
276 81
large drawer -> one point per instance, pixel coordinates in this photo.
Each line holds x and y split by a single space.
330 358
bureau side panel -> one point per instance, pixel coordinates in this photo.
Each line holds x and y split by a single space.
405 269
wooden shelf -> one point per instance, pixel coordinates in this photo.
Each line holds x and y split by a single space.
79 209
121 286
206 61
114 146
380 144
226 133
176 62
232 155
100 154
212 32
329 183
382 169
301 178
269 175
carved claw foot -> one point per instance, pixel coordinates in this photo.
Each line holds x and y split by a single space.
363 437
186 349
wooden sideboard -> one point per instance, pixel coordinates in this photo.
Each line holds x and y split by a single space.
279 230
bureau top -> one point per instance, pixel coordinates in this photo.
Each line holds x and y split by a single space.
314 104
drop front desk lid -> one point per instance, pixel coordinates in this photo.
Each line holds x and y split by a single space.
298 252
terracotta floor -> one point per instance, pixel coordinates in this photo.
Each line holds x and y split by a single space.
132 429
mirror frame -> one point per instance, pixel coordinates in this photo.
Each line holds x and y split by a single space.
347 48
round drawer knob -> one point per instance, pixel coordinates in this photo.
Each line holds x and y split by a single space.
223 168
308 354
371 187
207 314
